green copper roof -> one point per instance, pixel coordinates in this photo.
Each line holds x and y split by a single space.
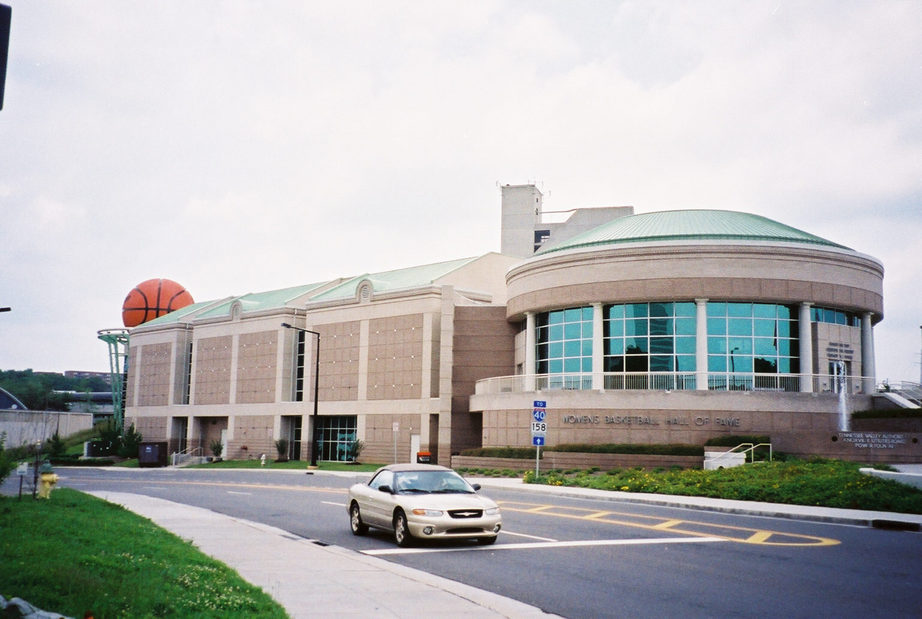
255 301
252 302
411 277
691 225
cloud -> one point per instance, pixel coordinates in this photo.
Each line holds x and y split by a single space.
239 146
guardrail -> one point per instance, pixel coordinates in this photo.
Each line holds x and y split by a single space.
181 458
716 460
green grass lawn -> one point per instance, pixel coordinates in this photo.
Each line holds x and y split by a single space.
826 483
76 553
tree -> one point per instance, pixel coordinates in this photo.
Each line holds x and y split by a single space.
281 446
6 462
129 443
37 389
56 446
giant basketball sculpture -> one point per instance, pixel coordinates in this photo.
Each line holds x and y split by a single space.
153 298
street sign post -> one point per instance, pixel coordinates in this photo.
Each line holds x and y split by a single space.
538 430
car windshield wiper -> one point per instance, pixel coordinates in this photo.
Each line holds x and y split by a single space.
415 490
452 491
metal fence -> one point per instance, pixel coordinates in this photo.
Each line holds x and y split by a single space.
668 381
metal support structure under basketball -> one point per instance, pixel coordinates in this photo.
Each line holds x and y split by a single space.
117 339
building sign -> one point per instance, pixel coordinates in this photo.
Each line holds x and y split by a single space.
837 351
651 420
874 440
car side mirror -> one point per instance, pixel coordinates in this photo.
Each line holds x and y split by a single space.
386 488
476 487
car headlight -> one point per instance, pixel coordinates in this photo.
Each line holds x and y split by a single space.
432 513
491 511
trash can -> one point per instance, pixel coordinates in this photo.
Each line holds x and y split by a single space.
152 454
423 457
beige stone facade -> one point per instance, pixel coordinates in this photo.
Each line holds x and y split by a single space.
396 366
446 357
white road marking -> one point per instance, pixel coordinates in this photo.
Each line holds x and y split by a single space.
543 539
334 504
533 545
240 493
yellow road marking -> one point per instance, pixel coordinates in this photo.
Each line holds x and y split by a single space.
743 535
759 537
668 524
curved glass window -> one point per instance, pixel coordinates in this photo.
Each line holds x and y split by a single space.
834 316
564 341
750 338
650 337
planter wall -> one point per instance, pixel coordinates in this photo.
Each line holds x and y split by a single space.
574 460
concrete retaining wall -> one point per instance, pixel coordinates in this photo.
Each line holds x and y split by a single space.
29 427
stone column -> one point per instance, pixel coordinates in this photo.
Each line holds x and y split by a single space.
805 337
701 344
598 348
529 351
868 372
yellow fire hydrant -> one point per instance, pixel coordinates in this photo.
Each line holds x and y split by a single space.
46 485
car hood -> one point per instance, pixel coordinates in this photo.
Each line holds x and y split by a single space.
446 501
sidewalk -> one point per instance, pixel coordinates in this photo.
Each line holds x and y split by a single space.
313 580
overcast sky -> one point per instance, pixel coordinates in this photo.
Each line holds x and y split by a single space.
246 146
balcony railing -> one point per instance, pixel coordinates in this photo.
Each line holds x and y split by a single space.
667 381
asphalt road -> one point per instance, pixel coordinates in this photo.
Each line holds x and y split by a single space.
589 558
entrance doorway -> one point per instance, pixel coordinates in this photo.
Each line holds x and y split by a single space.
179 433
291 432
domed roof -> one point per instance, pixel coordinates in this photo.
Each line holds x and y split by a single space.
689 225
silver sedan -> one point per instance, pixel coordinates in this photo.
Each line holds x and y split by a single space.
423 501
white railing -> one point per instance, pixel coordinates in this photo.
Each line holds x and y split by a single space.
910 391
666 381
735 456
190 455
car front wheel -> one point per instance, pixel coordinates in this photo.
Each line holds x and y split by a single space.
402 530
355 520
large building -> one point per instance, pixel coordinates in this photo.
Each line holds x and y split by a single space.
666 327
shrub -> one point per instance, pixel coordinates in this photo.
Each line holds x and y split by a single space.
56 446
217 447
627 448
518 453
732 440
902 413
281 446
109 439
76 460
355 449
128 443
7 464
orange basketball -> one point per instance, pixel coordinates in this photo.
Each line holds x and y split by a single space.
151 299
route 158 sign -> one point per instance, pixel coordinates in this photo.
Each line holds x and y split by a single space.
538 423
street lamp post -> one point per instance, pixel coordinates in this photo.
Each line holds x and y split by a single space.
733 368
314 419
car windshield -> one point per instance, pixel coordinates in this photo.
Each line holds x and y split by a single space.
431 482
